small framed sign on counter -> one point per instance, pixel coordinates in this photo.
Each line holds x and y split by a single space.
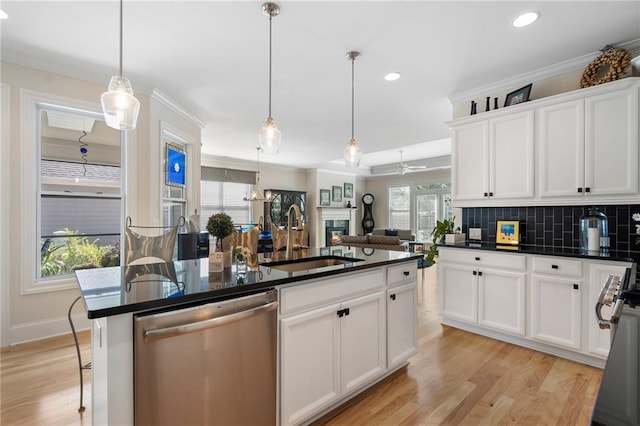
508 232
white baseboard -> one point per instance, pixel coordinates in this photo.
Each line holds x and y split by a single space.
38 330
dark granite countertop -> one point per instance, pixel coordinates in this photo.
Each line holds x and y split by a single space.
542 250
107 291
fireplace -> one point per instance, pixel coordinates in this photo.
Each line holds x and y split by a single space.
333 230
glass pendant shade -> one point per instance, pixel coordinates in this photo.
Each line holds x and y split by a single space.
270 137
352 154
119 105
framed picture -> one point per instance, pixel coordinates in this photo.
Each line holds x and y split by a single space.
325 195
518 96
348 190
325 251
507 232
176 169
336 193
336 252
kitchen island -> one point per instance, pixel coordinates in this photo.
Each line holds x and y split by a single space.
379 281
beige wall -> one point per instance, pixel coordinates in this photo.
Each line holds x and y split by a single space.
34 315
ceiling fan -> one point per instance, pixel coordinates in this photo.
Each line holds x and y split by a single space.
403 168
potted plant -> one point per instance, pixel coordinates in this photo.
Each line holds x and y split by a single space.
440 232
220 226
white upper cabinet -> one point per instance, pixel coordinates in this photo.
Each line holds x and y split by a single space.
574 148
588 148
493 159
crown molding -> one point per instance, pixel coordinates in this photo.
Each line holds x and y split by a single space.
564 67
178 109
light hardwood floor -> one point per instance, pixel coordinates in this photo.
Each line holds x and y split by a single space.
457 378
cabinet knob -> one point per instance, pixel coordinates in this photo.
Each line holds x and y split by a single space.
587 189
406 273
477 258
579 189
392 297
554 266
475 272
479 273
486 194
491 194
576 287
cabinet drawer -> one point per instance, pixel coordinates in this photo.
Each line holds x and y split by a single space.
307 295
401 274
556 266
482 258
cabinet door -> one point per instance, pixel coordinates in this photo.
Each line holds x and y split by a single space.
362 341
458 292
501 297
511 156
611 143
402 323
599 340
310 362
556 310
469 149
561 153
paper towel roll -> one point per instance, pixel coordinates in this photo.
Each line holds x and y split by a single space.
593 239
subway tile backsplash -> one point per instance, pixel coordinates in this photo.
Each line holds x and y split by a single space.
556 226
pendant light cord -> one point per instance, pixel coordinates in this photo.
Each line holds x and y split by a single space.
270 19
120 38
352 96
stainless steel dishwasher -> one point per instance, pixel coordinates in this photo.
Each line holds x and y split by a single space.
209 364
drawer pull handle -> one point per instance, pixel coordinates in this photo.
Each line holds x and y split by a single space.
576 287
486 194
343 312
554 266
406 273
477 258
491 194
475 272
393 297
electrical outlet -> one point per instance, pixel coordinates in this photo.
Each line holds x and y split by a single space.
475 233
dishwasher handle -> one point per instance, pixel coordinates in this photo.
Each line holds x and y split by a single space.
163 333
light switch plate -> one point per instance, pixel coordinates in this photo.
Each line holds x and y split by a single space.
475 233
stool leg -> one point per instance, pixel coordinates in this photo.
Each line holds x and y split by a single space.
75 338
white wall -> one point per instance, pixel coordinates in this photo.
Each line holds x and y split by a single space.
35 315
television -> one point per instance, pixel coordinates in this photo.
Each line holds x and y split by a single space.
176 172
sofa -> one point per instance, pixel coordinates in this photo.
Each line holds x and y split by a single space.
383 242
402 234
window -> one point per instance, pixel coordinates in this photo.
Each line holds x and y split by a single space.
400 207
78 205
433 203
222 190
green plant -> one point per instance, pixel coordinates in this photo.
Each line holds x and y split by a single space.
442 228
220 226
49 265
77 253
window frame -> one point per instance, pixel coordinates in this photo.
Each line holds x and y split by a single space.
408 210
32 103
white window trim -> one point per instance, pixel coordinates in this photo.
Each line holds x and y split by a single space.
173 134
412 202
30 103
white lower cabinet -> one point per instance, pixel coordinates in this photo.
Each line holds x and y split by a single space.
402 323
336 335
501 300
540 301
556 310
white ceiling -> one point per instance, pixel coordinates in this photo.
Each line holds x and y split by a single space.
211 57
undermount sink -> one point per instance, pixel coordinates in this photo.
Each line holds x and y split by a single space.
309 263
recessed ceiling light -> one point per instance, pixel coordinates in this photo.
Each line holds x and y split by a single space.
392 76
525 19
3 14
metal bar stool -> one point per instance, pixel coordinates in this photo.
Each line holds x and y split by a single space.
81 366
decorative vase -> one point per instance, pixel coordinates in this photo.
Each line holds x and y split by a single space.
495 103
474 108
487 106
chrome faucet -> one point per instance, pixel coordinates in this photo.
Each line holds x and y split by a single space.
300 227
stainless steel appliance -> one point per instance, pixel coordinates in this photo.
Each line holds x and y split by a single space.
209 364
617 400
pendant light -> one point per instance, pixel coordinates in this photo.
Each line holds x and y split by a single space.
352 153
119 105
257 190
270 135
